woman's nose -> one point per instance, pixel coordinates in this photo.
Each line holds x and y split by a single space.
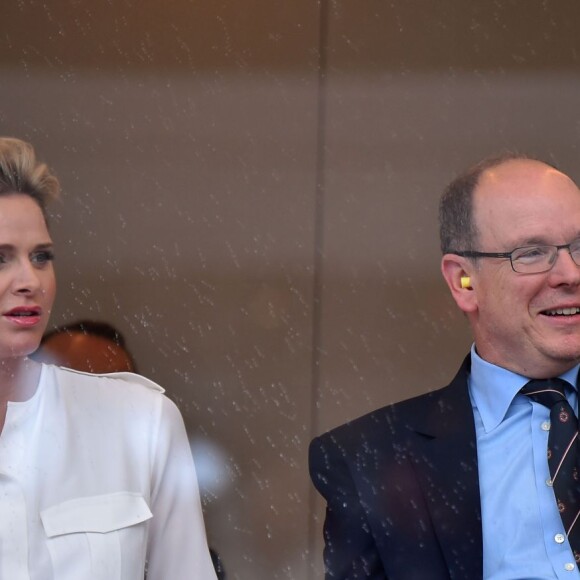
26 279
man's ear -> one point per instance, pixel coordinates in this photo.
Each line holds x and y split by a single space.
458 273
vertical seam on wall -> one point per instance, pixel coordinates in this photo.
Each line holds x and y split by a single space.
318 256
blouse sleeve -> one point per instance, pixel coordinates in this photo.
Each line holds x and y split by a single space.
177 546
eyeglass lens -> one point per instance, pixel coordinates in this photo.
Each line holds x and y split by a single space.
533 259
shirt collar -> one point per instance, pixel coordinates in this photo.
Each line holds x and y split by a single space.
493 388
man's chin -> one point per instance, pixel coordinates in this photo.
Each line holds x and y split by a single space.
566 357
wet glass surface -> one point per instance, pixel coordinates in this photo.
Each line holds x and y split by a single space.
250 194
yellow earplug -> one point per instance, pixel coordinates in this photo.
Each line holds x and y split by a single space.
465 282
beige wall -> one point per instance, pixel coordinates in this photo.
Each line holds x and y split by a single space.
266 236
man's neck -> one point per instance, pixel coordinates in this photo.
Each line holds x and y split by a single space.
547 370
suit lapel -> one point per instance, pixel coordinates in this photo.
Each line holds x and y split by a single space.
444 451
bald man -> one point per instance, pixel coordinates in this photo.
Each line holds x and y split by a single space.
467 482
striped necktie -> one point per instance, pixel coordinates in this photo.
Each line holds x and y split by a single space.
562 453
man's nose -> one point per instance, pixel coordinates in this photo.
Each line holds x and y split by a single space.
565 269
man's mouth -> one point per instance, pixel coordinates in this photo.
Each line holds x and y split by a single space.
562 311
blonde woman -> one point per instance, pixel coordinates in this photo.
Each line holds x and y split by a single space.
96 475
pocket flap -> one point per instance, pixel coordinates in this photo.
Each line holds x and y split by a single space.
99 513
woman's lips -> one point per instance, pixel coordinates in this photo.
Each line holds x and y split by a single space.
24 315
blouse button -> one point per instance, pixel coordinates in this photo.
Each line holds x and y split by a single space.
560 538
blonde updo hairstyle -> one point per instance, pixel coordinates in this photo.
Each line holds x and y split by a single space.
20 172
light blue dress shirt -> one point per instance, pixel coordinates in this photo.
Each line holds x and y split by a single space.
523 535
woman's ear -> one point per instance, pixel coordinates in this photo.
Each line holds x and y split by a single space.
457 272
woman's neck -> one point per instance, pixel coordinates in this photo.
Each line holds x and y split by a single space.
18 379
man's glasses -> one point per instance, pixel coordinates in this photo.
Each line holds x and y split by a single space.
530 259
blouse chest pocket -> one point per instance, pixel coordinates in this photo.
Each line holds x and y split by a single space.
98 537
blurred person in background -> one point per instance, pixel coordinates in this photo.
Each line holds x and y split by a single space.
88 345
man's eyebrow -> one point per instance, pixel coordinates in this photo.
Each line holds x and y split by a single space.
535 242
540 241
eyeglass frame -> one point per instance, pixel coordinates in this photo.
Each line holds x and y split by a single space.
508 255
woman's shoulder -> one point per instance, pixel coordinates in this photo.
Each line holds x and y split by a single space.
103 391
66 376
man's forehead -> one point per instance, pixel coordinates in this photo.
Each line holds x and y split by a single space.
525 177
527 202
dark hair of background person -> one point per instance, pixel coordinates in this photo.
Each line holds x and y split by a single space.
51 351
96 328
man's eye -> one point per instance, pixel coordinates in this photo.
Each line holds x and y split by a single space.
575 247
534 253
42 257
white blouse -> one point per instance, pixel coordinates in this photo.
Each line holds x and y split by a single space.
97 478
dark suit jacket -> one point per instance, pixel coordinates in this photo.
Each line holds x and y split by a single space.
402 490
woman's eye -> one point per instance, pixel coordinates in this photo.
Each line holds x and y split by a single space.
42 257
